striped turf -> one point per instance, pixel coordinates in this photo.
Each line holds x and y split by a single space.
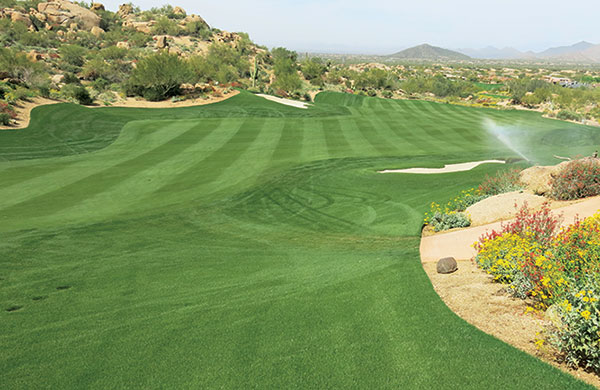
245 244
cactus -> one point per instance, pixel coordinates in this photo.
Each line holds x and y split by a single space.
255 72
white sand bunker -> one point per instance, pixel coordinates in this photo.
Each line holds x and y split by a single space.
287 102
447 168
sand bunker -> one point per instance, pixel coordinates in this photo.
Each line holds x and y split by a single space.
287 102
447 168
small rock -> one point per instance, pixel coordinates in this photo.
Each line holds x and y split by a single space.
161 41
97 31
123 45
447 265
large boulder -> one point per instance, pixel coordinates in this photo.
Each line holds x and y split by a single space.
21 17
179 11
447 265
538 178
63 12
123 45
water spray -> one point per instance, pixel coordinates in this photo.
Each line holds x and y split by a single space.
503 134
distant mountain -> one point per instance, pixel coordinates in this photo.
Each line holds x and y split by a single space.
565 51
428 52
493 53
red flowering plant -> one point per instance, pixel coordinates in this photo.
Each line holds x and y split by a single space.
578 179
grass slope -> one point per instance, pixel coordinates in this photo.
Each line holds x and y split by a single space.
245 244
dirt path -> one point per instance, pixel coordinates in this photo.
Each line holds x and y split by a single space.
24 108
472 295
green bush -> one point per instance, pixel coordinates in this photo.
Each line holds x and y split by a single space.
4 119
78 93
444 221
569 115
159 76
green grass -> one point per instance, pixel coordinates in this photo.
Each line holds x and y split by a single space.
246 244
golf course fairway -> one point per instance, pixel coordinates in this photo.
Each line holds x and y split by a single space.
248 245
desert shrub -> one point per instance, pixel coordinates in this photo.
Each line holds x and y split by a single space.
72 54
502 182
448 220
569 115
4 119
159 76
165 26
576 336
77 93
452 215
578 179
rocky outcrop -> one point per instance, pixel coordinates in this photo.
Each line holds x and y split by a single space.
178 11
124 10
143 27
15 16
161 41
97 7
123 45
64 13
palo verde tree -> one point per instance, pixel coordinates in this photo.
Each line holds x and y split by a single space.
159 76
285 69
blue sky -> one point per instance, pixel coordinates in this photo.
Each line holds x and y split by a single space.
383 27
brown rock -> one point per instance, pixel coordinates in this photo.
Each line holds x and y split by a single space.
97 31
538 178
178 11
123 45
34 56
64 12
97 7
447 265
124 10
57 79
16 16
161 41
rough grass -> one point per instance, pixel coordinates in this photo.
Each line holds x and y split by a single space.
244 244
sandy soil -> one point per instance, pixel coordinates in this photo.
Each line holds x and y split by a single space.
23 111
472 295
503 206
447 168
287 102
24 108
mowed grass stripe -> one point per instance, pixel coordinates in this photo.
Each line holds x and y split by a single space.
55 201
72 169
289 147
200 175
314 145
132 194
337 144
399 134
371 134
356 138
